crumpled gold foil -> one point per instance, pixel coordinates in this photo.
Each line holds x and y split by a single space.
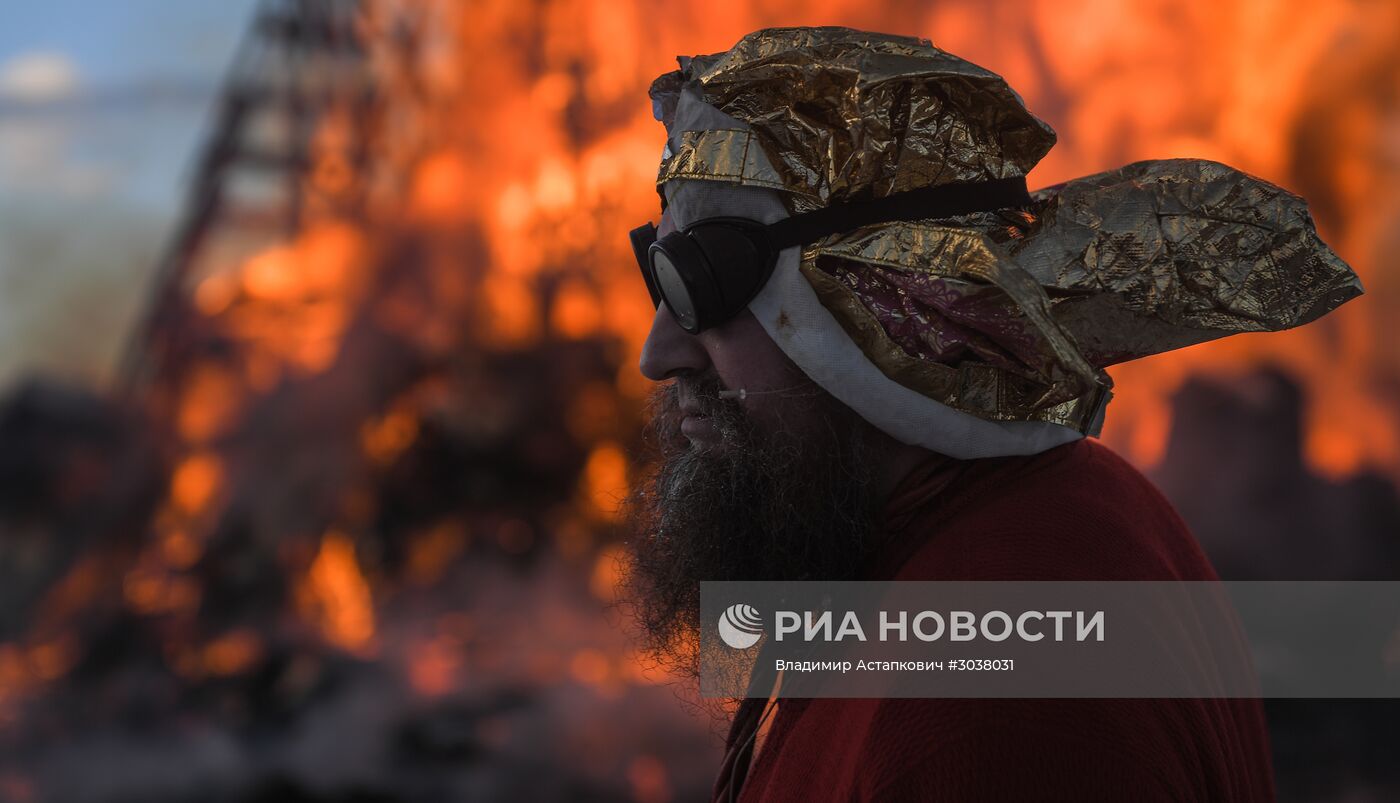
1010 315
1163 254
842 115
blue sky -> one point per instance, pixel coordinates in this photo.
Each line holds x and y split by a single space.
92 171
116 47
122 40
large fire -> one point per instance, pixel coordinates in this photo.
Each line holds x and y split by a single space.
554 149
475 217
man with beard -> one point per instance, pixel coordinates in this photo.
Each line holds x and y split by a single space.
881 357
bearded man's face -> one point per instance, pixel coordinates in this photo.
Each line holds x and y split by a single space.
776 487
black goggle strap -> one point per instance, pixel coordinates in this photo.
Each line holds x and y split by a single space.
944 200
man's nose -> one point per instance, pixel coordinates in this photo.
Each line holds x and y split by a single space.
670 350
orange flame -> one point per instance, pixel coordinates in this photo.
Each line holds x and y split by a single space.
337 598
605 479
528 165
1119 82
195 481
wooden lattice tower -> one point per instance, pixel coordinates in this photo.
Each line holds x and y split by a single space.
299 61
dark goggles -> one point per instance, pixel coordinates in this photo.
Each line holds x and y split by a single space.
709 272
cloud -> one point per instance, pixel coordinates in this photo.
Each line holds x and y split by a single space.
39 76
37 152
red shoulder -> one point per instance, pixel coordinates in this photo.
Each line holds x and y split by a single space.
1075 512
1090 749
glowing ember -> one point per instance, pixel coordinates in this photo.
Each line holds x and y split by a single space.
434 552
605 479
195 481
386 438
433 666
608 570
232 653
649 780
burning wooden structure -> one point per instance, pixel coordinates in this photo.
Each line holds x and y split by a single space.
345 534
346 529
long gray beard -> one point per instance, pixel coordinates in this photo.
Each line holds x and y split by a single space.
762 506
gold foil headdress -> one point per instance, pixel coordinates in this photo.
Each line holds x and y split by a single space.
1009 316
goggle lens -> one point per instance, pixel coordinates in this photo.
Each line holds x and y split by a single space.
642 238
673 289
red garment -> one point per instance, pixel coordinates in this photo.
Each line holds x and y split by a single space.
1076 512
